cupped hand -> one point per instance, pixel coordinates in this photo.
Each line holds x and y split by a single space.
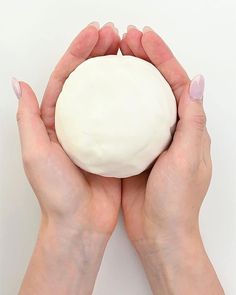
165 200
67 194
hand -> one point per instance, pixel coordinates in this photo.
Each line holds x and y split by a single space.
77 206
168 197
161 206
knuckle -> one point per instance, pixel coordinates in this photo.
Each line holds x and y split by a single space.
19 116
28 159
208 137
31 159
34 157
186 163
200 121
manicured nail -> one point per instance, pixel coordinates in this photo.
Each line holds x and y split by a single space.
94 24
147 29
131 27
124 35
196 88
110 24
16 87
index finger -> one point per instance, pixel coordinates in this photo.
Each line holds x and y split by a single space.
164 60
78 51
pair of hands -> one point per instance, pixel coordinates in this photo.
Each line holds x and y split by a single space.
161 205
169 195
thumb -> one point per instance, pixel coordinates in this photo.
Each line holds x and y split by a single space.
192 119
33 134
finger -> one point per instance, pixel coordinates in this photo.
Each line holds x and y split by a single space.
133 40
206 148
79 50
33 134
113 49
162 57
192 119
124 47
107 36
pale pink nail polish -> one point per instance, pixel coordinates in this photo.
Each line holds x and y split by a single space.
16 87
147 29
196 88
109 24
131 27
94 24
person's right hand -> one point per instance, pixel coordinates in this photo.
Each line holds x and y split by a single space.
79 209
62 188
161 206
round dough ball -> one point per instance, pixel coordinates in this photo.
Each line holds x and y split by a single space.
115 115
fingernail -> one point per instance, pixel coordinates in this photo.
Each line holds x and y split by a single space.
124 35
131 27
94 24
196 88
147 29
16 87
110 24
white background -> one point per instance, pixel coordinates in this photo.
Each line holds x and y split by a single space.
33 35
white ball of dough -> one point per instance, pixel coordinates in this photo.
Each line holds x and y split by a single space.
115 115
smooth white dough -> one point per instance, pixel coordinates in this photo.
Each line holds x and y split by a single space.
115 115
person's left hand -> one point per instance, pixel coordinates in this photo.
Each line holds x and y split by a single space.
181 174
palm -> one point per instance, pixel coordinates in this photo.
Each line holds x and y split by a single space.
99 195
138 197
139 193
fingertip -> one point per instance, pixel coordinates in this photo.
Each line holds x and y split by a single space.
147 29
84 43
16 87
26 89
133 39
196 88
131 27
28 100
153 44
124 48
90 29
105 43
114 47
110 25
94 24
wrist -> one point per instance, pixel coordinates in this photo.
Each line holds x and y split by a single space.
72 228
178 264
161 236
66 259
66 239
172 243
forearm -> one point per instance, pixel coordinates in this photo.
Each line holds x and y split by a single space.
179 266
65 261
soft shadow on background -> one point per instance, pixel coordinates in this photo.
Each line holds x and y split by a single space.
33 36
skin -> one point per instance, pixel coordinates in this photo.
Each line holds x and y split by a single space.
161 206
80 210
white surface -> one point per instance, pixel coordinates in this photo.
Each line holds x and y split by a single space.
115 115
33 35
